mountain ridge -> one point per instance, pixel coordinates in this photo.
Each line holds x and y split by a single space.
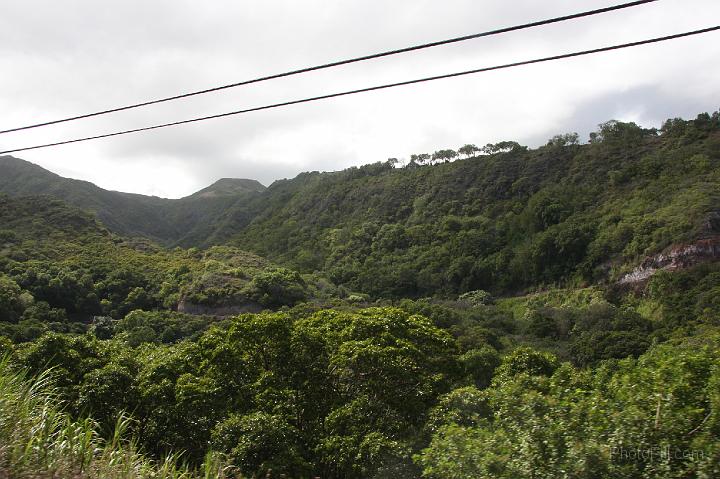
229 186
170 222
505 218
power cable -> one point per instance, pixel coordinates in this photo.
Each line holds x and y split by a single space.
379 87
339 63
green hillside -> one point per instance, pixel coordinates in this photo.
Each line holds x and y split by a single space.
549 312
229 187
507 219
61 270
198 219
562 213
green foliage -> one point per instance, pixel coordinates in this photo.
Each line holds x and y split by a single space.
510 219
108 392
260 442
526 361
279 287
687 295
480 365
59 275
39 440
476 298
467 407
468 150
332 393
562 214
201 218
10 303
139 327
646 418
329 375
444 155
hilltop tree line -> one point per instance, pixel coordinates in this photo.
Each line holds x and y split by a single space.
465 151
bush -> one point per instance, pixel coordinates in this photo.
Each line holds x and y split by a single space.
526 360
260 444
279 287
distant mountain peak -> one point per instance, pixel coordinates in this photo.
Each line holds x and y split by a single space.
17 164
229 187
192 220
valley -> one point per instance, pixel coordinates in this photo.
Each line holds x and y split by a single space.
516 309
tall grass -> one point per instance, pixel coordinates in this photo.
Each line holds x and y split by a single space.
39 440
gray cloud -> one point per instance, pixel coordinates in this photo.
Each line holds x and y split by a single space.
63 58
648 106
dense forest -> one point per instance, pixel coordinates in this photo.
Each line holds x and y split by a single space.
498 312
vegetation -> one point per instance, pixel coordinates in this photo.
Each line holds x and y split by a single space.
38 440
60 270
505 220
199 219
447 319
649 418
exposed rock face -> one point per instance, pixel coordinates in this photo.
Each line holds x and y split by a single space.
676 257
218 311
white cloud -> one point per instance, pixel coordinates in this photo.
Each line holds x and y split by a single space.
64 58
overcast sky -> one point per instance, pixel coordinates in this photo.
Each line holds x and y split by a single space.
61 58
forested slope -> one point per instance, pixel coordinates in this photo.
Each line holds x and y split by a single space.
192 221
61 270
590 373
562 213
504 218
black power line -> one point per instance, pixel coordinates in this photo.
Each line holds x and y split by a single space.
340 62
379 87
